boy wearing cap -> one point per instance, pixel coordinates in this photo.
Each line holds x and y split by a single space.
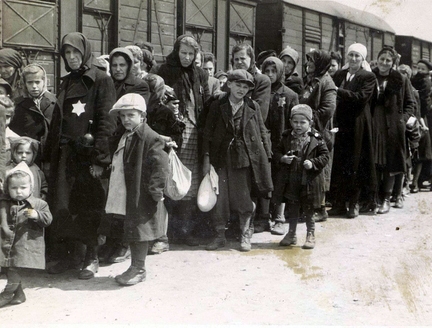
139 169
301 156
235 142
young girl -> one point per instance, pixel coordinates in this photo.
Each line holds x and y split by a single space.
23 219
301 156
25 149
139 169
278 120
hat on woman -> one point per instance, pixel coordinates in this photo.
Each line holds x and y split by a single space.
291 52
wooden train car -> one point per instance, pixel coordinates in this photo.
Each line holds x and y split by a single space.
413 49
306 25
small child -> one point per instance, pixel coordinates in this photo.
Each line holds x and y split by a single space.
24 149
235 142
33 111
139 169
301 156
23 219
5 88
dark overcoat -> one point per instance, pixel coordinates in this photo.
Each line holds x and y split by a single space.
317 153
146 172
399 105
22 240
219 133
132 84
353 152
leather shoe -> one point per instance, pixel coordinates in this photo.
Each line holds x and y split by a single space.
353 211
19 296
159 247
414 188
131 276
399 202
121 254
385 207
89 270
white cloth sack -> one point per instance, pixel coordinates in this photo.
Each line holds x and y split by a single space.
208 191
180 178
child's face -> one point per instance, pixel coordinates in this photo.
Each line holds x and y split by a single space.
300 124
422 68
35 84
3 91
271 72
19 187
130 118
238 90
23 154
136 67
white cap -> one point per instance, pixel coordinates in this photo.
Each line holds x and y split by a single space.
129 101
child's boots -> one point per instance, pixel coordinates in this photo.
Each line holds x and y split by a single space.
310 240
8 294
291 237
219 240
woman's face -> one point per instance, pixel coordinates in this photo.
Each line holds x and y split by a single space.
355 60
422 68
73 57
334 66
6 71
186 55
385 63
241 60
289 64
310 67
271 72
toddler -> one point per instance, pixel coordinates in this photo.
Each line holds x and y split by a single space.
23 219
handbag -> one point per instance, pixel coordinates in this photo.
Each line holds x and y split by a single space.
208 191
180 178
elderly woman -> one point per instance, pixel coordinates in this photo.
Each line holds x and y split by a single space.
10 69
392 106
353 164
78 146
190 85
290 58
319 93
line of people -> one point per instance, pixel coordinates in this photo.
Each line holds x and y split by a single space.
285 149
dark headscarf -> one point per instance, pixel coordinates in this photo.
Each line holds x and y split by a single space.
126 54
11 57
157 90
188 74
79 42
279 67
322 61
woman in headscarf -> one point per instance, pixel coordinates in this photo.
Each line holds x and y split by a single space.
78 145
190 85
121 67
278 120
353 164
290 58
10 69
319 92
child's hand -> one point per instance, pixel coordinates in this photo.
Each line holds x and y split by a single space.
31 214
171 144
287 159
307 164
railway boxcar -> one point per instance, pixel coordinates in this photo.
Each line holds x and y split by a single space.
413 49
307 25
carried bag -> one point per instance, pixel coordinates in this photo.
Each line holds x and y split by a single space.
208 191
179 180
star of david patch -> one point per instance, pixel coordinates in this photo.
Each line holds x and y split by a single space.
78 108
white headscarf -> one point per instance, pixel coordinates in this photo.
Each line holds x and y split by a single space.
362 50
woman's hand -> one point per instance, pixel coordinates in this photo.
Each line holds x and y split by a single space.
96 171
287 159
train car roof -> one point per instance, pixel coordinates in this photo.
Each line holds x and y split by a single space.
348 13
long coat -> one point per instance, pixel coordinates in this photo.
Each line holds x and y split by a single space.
31 122
22 240
132 84
317 153
72 189
146 171
219 133
353 152
399 105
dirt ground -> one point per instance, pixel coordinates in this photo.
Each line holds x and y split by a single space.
373 270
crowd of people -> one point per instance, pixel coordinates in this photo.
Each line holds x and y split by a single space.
89 165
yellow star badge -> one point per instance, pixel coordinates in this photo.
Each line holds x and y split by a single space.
78 108
281 102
